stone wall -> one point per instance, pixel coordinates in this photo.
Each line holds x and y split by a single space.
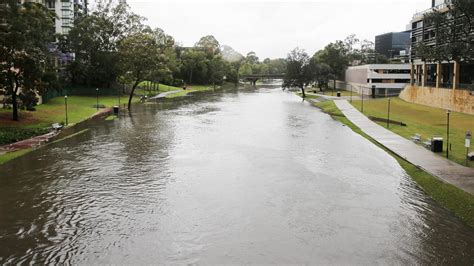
454 100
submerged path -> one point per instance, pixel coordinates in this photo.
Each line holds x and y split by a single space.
446 170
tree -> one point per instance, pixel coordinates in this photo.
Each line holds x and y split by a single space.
334 55
194 65
209 45
252 58
298 70
322 74
94 40
25 30
140 55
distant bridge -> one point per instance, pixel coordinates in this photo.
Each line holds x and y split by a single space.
254 77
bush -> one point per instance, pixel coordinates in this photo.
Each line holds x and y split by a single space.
10 135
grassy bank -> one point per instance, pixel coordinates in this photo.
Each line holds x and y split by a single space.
423 120
450 197
191 88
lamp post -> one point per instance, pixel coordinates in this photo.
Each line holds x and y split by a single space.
447 133
97 94
351 92
362 94
468 145
65 107
388 114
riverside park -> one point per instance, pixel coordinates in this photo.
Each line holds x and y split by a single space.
123 144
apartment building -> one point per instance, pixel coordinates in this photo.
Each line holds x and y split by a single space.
66 11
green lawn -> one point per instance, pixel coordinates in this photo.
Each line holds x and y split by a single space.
450 197
423 120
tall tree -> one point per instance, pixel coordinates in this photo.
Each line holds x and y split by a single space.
94 40
334 55
209 45
25 32
140 55
298 70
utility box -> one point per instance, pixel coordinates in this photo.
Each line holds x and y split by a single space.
437 144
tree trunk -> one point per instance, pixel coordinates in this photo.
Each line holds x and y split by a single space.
131 94
14 100
302 91
191 77
15 106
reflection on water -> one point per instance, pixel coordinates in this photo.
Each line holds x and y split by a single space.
249 176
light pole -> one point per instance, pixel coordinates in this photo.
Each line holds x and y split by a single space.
351 92
362 94
388 114
97 93
447 133
65 107
468 145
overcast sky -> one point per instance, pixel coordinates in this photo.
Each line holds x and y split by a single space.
273 28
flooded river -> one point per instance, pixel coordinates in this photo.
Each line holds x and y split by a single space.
241 176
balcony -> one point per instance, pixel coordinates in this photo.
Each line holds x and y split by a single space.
439 7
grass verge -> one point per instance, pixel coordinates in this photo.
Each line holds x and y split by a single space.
424 120
13 155
450 197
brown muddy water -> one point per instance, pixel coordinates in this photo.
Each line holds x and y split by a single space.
240 176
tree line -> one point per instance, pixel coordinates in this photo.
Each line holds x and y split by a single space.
329 63
107 47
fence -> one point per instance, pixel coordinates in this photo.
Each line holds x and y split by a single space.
367 89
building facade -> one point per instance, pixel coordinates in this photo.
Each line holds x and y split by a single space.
66 12
393 44
454 74
388 79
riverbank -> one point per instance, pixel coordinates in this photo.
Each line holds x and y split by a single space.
425 121
450 197
17 138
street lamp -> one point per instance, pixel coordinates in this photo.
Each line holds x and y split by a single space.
362 94
447 133
388 114
97 93
65 107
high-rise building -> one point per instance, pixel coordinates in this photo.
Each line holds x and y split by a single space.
66 11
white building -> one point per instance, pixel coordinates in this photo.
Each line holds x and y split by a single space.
66 11
388 79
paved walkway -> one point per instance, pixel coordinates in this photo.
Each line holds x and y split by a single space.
164 94
329 97
453 173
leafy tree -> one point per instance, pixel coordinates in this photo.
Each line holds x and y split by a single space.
140 55
334 55
25 30
216 70
252 58
322 75
298 70
94 40
245 69
194 65
209 45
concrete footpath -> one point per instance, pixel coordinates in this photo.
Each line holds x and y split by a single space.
164 94
446 170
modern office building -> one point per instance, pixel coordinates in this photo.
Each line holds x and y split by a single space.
393 44
388 79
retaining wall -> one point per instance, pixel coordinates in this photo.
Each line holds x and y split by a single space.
454 100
